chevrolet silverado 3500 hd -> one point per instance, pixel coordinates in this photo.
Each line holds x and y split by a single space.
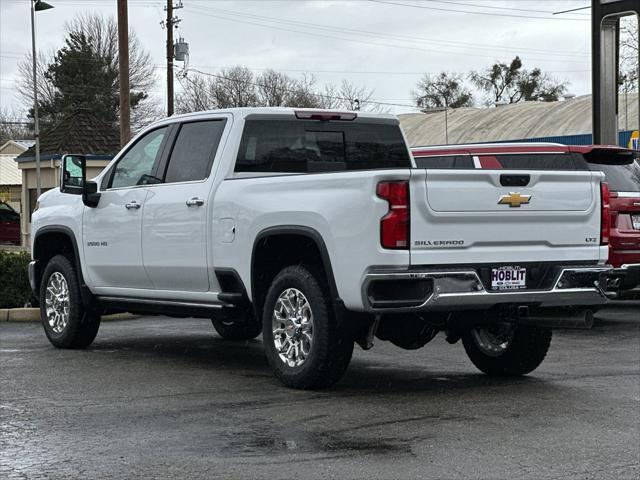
315 229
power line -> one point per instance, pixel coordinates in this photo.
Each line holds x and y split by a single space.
571 10
490 14
356 40
400 37
500 8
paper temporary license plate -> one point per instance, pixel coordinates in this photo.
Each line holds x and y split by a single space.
636 221
508 278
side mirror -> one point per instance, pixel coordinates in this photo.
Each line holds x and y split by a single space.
90 194
73 174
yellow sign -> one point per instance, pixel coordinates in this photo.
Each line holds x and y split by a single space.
633 143
514 199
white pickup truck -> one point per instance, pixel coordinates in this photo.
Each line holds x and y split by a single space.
315 229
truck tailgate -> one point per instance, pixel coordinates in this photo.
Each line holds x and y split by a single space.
504 217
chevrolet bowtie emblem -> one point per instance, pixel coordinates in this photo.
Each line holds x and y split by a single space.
514 199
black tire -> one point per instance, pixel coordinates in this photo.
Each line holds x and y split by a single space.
331 348
82 326
230 329
524 353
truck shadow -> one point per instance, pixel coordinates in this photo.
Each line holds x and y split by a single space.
247 359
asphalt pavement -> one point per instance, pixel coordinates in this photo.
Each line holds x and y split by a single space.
168 398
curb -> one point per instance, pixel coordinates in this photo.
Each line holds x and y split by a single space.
33 315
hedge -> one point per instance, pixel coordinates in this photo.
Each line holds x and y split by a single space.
14 280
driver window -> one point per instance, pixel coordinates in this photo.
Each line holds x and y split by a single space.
135 167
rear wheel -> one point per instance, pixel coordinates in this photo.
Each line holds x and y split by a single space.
302 341
66 323
505 349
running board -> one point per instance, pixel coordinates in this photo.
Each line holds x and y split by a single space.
163 307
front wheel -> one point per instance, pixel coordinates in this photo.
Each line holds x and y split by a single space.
302 341
505 349
66 322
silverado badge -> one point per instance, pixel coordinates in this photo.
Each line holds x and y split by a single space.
514 199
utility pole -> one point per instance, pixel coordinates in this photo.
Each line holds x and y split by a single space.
170 23
169 58
123 72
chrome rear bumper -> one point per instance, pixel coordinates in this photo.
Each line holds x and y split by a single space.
463 290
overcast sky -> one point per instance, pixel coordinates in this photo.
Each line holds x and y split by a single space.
384 45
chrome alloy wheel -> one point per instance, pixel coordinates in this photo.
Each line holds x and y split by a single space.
57 302
292 324
494 340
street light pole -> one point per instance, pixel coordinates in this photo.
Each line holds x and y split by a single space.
36 6
36 123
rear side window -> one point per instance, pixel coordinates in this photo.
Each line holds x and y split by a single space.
529 161
621 178
444 162
194 150
298 146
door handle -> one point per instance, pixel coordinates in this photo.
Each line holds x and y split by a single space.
133 204
195 202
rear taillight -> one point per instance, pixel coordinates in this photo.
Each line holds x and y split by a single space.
605 218
394 226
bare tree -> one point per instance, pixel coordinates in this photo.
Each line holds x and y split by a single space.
13 126
629 63
24 85
512 83
198 94
355 97
442 90
274 88
238 87
306 95
102 34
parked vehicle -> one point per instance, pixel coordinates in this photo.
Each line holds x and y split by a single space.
9 225
622 176
314 229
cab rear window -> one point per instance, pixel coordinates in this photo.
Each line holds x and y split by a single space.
299 146
529 161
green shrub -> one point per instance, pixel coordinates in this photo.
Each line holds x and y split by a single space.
15 291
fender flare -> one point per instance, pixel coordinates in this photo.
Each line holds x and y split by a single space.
308 232
84 290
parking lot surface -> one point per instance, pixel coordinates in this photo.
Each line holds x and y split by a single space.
167 398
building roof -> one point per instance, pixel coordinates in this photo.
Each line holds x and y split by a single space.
80 132
25 143
511 122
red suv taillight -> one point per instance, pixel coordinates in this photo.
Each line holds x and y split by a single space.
394 226
605 218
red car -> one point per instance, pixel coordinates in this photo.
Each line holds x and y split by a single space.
620 166
9 225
